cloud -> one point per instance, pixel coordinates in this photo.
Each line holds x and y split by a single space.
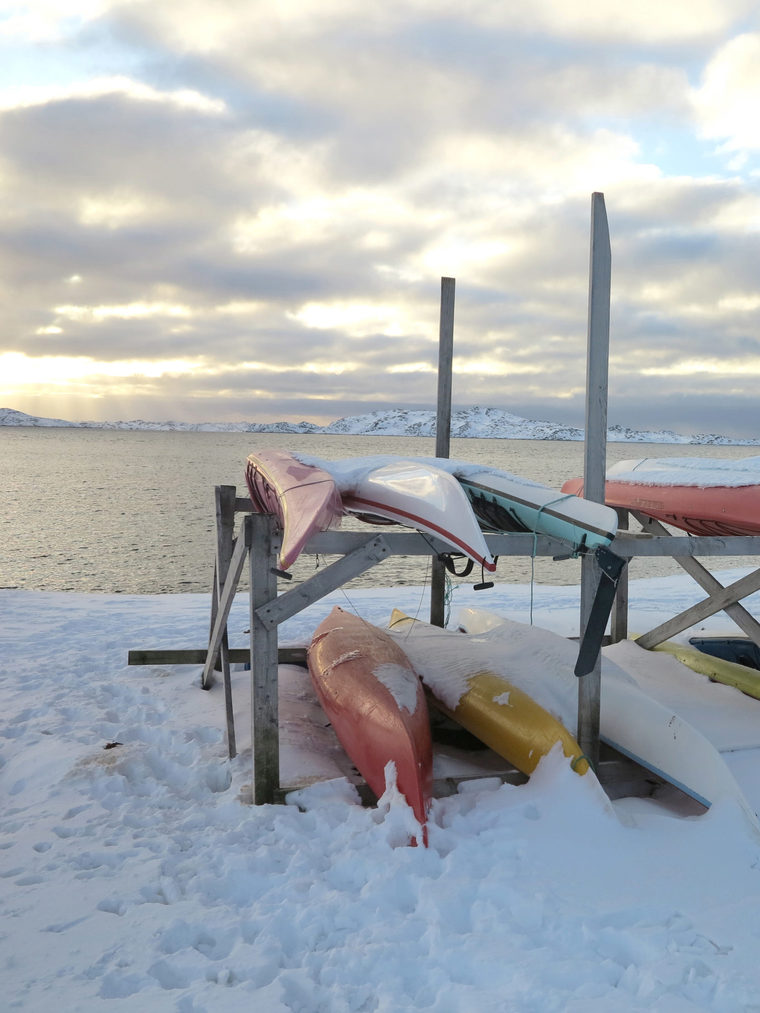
216 206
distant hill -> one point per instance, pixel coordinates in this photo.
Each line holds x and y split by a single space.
482 423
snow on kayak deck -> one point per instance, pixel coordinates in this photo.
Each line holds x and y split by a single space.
702 473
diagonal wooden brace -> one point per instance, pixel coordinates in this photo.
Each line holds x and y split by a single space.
226 598
274 612
743 619
702 610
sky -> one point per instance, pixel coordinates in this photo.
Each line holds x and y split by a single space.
243 210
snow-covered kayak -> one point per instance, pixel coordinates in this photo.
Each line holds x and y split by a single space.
631 721
415 492
376 705
467 681
704 496
504 503
302 497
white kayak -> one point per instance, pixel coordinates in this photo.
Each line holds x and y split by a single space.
413 492
631 721
504 502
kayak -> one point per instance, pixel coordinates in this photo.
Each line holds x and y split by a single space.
467 682
415 492
302 497
704 496
376 705
502 502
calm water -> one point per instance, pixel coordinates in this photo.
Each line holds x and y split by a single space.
133 512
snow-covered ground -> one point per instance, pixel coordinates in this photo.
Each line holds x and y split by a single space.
134 877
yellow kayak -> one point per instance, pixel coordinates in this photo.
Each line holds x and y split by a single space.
717 669
465 687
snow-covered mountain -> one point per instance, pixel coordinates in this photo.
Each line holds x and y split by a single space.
483 423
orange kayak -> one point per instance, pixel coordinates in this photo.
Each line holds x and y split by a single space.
376 705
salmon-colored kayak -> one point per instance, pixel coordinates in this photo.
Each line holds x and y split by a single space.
302 497
376 705
704 496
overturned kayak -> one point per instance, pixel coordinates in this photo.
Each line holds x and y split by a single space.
631 721
466 681
376 705
302 497
704 496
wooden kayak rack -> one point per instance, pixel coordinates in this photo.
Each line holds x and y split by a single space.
256 542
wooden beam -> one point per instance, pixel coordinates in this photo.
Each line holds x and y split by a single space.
226 600
708 607
443 432
190 656
265 730
743 619
275 610
595 456
224 497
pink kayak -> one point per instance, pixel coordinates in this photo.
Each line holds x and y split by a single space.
376 705
302 497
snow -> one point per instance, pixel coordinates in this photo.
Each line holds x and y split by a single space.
136 876
474 422
704 473
401 682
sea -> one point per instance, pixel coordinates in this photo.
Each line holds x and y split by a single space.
132 511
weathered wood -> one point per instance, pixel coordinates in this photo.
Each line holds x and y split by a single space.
595 453
415 543
275 610
619 616
443 432
702 610
189 656
226 600
265 733
743 619
224 496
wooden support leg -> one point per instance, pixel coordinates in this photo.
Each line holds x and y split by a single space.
589 685
264 709
226 599
225 527
619 616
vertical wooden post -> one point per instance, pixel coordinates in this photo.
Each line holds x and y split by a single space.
619 618
225 529
595 451
260 532
443 430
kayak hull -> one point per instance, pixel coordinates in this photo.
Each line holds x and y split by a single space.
506 504
376 705
302 497
422 496
492 708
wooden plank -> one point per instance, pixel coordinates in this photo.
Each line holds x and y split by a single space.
402 542
702 610
227 597
225 533
743 619
595 453
274 611
443 432
265 732
619 616
190 656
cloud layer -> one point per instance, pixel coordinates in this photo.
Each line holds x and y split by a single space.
243 210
